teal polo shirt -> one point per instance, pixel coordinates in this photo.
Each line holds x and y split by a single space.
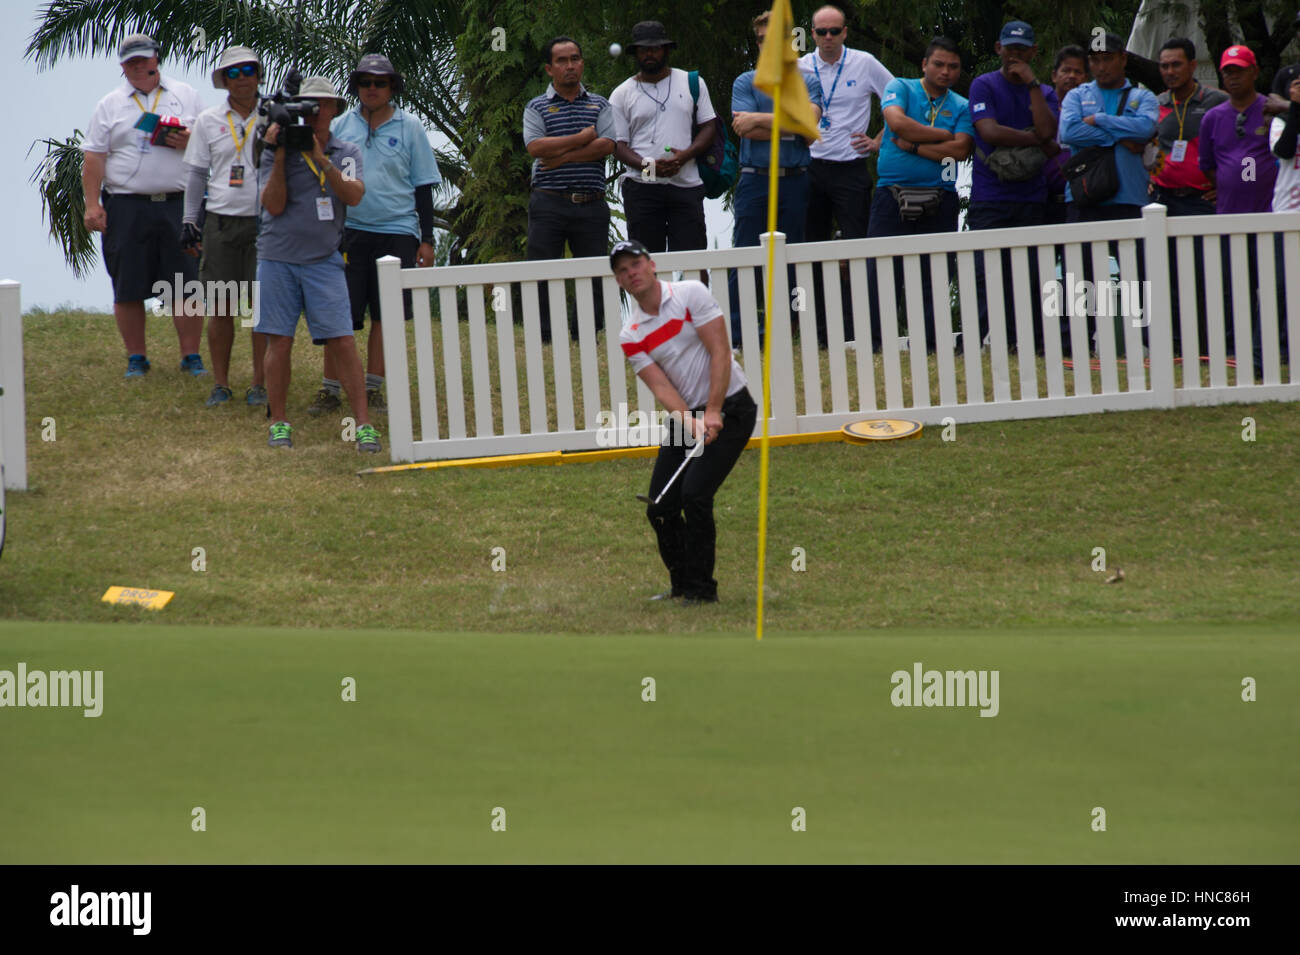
397 158
950 111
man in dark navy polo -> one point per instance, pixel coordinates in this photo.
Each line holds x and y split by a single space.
569 132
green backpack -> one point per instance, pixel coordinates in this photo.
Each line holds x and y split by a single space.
720 166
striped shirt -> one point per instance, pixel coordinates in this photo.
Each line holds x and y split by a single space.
669 340
552 115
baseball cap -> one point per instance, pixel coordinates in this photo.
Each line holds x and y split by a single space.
1017 33
626 247
1284 78
1111 43
1237 56
137 44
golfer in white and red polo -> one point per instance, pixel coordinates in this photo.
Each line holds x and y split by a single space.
676 344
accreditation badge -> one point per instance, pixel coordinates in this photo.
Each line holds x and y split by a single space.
1179 152
324 209
237 175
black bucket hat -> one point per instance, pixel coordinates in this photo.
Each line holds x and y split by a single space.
650 33
375 64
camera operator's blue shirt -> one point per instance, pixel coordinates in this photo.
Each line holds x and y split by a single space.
398 158
297 235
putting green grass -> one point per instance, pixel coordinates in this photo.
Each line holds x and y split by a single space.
1146 722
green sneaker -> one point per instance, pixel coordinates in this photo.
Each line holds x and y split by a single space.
325 401
281 435
368 439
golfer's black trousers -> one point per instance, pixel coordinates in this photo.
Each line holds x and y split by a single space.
683 520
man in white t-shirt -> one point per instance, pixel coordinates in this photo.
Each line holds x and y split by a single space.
1282 139
655 118
839 180
677 343
134 183
219 159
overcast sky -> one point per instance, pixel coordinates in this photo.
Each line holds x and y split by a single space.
52 104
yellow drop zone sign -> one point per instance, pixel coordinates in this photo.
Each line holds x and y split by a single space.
139 596
881 429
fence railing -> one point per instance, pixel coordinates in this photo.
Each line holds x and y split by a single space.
1108 306
13 412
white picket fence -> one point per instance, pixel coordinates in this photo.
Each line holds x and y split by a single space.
586 377
13 435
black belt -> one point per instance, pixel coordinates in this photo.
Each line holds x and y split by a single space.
783 171
153 197
577 197
841 162
1186 192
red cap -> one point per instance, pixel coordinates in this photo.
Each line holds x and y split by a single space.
1237 56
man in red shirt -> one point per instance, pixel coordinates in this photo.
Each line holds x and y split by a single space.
1177 181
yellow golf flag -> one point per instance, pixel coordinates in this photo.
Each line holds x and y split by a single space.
778 65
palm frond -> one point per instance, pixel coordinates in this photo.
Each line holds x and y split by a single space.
63 205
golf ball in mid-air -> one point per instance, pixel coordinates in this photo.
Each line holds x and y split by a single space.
615 50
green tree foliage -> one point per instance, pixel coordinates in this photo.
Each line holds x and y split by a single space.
471 66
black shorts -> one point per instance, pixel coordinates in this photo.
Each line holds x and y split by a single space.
142 246
361 250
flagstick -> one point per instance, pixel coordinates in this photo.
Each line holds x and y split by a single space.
773 168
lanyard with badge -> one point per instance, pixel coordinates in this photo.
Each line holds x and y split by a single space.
825 120
935 107
237 167
324 207
148 119
1179 152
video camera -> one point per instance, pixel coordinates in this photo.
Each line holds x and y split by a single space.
291 115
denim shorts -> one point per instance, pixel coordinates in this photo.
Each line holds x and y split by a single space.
318 289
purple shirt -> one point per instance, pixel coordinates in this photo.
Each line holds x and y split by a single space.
1054 168
1242 186
993 96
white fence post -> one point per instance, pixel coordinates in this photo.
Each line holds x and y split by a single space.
400 440
781 346
1155 307
13 408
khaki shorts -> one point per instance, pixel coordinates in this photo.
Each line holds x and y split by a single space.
229 256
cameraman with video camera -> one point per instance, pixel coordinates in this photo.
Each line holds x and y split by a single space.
305 190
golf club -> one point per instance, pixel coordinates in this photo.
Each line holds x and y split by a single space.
694 452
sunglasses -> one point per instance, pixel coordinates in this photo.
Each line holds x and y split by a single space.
245 69
377 84
833 31
1241 125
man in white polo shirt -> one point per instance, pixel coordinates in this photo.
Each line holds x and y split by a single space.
678 345
219 159
655 117
839 180
134 183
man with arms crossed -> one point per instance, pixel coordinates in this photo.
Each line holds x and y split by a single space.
395 217
676 344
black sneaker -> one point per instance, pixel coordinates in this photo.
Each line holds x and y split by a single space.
325 401
695 600
667 595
